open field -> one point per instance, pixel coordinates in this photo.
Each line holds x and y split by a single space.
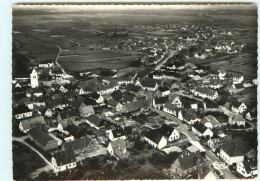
75 31
244 63
90 60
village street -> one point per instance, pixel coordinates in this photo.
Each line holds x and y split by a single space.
183 129
160 64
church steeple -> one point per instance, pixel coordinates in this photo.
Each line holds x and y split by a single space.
34 79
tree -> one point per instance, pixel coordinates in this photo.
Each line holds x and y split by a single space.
136 63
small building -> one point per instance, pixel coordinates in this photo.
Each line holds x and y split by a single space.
252 115
66 117
117 95
189 116
238 79
175 99
80 145
237 120
168 132
27 124
119 133
85 111
215 83
155 139
236 88
206 93
254 81
207 173
128 97
187 164
63 160
48 113
148 84
159 102
164 91
201 130
21 112
238 107
94 121
118 149
170 108
42 139
234 151
115 104
210 122
248 168
75 131
135 106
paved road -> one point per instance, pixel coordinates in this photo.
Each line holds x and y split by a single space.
159 65
183 129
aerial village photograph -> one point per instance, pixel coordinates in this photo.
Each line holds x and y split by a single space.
134 91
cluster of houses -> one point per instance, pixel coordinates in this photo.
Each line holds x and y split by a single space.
72 119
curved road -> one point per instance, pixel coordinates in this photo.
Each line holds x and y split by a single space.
21 140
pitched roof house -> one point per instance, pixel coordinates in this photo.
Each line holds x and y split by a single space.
63 160
175 99
168 132
248 167
95 121
148 84
206 93
238 120
164 91
235 150
115 104
158 102
134 106
27 124
21 112
252 115
42 139
201 130
210 122
75 131
238 107
133 88
170 108
119 133
207 173
187 164
118 149
155 139
66 117
128 97
190 116
85 111
79 145
117 95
